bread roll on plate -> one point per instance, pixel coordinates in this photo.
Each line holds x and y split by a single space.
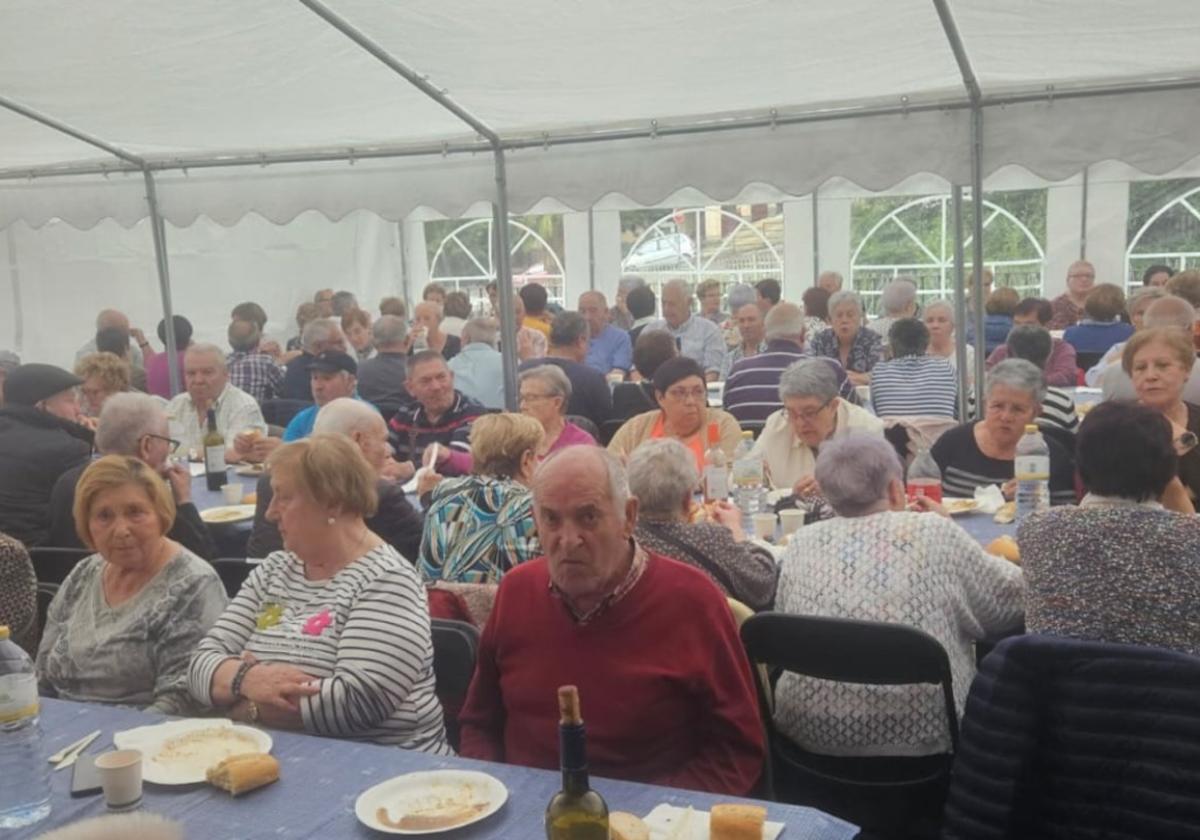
625 826
736 822
245 772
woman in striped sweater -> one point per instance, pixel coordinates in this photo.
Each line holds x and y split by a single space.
330 635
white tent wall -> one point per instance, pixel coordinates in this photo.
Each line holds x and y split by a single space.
68 275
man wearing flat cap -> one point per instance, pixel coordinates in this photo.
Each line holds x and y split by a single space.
333 374
40 439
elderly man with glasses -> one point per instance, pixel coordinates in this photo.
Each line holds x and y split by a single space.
134 425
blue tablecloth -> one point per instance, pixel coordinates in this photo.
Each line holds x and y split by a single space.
230 537
321 778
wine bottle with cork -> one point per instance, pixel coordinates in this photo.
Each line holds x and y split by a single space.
576 812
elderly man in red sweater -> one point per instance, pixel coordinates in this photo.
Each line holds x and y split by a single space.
667 691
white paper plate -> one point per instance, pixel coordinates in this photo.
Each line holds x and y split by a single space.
251 469
430 792
954 507
667 822
190 765
225 514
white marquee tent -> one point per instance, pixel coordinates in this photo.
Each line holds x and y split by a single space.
276 108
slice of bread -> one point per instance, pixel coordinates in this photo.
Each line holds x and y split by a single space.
625 826
736 822
241 773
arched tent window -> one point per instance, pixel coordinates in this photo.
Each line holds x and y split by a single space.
916 237
463 257
737 244
1164 219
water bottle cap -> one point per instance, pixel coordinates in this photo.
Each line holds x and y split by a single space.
4 632
746 433
1031 428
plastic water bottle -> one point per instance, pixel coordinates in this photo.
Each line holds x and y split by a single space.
24 772
747 476
1031 468
716 468
924 478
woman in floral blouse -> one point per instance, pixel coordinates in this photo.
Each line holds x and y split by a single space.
849 340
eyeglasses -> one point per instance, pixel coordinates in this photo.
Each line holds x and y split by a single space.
809 414
171 442
684 394
523 398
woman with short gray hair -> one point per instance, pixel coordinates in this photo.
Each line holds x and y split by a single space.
663 477
543 393
879 562
812 414
848 340
981 452
939 320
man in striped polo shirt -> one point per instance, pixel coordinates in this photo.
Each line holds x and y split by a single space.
752 387
439 413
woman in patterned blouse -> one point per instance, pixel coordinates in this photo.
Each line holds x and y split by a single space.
18 593
849 340
481 525
663 477
879 562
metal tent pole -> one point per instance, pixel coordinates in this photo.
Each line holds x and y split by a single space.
960 305
977 256
69 130
1083 217
159 232
816 230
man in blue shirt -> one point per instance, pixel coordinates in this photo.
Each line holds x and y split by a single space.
333 374
609 349
696 337
479 368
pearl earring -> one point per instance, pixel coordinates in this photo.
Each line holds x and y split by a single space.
330 521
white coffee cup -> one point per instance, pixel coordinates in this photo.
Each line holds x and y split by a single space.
233 493
121 778
791 518
764 525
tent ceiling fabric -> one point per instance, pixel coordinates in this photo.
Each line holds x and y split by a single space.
171 79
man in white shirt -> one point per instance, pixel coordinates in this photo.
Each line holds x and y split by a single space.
479 368
113 319
697 338
238 415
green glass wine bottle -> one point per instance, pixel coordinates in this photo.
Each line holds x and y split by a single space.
576 812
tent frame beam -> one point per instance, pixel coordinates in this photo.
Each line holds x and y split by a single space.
82 136
706 125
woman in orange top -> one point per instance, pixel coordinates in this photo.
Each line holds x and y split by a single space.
683 413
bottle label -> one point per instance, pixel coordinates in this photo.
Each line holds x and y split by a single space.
716 483
214 459
1031 468
18 697
747 473
930 488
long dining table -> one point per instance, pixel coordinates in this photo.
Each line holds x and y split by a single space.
321 778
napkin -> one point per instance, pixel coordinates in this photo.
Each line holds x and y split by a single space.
989 498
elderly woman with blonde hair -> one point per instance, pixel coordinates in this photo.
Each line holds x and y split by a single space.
124 623
330 635
103 375
481 525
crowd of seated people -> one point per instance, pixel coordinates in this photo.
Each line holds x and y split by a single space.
389 469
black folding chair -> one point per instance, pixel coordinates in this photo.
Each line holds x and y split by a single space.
586 424
45 594
607 429
891 796
52 565
455 647
233 572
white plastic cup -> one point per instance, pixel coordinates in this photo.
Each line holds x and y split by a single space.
121 778
764 525
791 519
233 493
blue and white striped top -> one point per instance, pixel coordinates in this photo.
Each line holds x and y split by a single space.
364 634
914 385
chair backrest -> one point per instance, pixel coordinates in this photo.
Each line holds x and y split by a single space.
455 647
281 411
851 651
52 565
233 572
607 429
45 594
585 424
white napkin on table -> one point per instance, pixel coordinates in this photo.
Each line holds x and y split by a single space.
989 498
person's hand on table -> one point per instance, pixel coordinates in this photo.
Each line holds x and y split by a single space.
180 479
924 504
254 447
394 470
277 685
806 487
728 514
1009 489
428 480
